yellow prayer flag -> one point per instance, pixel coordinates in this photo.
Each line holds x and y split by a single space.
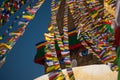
28 17
1 38
57 67
109 9
8 8
60 77
47 38
12 12
23 2
50 68
5 45
50 28
13 33
49 58
94 15
10 27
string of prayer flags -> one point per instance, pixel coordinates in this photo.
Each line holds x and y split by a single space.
24 19
51 59
51 56
8 8
116 26
86 21
2 60
64 47
15 35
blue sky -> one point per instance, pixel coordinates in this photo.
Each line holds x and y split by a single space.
20 64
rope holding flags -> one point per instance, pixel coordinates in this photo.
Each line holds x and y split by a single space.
85 36
8 8
24 17
67 60
51 59
5 47
51 55
64 46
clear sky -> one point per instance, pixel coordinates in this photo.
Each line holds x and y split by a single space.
20 64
